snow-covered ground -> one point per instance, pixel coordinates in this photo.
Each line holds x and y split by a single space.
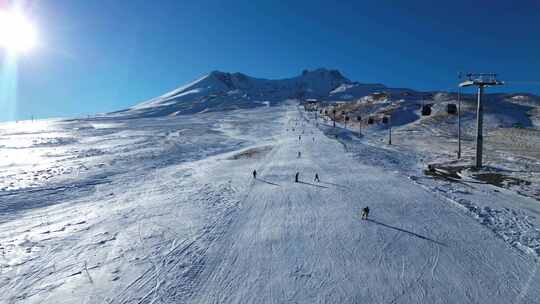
164 210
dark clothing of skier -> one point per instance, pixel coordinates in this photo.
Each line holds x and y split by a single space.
254 173
365 213
299 154
296 177
317 178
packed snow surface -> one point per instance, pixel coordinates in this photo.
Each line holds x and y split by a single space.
165 210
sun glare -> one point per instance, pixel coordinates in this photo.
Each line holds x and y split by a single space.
16 32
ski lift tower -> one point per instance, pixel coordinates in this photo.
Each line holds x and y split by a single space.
481 80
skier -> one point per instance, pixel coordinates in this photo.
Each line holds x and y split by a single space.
316 178
299 137
365 213
299 154
255 174
296 177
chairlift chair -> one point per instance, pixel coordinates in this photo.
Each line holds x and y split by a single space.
426 110
451 108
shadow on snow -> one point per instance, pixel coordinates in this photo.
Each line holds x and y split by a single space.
337 185
265 181
314 185
409 232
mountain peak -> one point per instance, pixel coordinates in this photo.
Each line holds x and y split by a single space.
220 90
323 72
230 80
221 73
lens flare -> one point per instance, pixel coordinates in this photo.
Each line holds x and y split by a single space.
8 85
16 32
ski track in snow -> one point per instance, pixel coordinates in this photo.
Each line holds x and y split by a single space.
168 215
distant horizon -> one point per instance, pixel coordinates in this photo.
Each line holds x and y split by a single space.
98 56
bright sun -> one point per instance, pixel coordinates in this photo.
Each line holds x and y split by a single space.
16 32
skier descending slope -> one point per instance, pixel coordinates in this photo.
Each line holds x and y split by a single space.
254 174
365 213
296 177
316 179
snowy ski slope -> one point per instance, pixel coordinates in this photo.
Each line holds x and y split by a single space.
164 210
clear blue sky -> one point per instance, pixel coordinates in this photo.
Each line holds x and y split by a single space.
104 55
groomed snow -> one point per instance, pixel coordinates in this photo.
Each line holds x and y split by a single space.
166 211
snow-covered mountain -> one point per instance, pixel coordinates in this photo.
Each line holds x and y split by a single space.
220 91
225 91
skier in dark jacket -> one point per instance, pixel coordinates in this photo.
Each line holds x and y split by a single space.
255 174
365 213
296 177
316 178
